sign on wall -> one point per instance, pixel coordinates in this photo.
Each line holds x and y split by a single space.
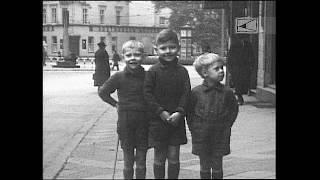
246 25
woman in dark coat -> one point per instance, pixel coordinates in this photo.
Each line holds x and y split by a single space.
116 58
240 64
102 67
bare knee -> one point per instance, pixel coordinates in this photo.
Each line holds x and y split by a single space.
173 154
160 156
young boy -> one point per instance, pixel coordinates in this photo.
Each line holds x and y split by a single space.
166 89
132 116
212 111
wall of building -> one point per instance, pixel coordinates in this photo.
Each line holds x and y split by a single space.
95 29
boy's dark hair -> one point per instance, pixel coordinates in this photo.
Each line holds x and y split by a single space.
167 35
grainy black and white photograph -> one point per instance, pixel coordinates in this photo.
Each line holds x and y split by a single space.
159 89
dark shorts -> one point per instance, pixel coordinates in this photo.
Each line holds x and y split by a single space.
162 134
132 128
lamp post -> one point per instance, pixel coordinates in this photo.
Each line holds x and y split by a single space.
186 42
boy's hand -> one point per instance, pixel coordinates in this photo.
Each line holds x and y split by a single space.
165 116
174 118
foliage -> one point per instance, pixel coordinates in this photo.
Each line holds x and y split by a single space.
206 28
150 60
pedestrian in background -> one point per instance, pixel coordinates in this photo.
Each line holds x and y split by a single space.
211 113
115 59
44 55
166 90
102 67
240 63
132 125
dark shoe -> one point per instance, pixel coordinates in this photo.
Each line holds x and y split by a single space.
173 170
140 173
217 175
158 171
205 175
128 173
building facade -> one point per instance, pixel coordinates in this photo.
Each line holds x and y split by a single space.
91 22
263 78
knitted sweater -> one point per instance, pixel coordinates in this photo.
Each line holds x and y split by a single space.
129 86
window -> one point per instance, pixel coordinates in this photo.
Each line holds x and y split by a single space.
84 16
101 16
118 17
90 44
61 43
54 45
162 20
44 15
44 38
54 15
84 44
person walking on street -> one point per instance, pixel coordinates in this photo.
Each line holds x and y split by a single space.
240 63
132 125
166 90
102 66
115 59
211 113
44 55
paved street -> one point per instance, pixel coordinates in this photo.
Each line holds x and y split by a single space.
80 134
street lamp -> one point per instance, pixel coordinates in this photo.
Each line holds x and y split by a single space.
185 42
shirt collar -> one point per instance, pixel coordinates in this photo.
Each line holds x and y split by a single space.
218 86
166 64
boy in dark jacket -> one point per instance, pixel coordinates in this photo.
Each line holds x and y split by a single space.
212 111
166 89
132 116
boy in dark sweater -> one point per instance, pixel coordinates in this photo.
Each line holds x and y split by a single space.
166 89
132 116
212 111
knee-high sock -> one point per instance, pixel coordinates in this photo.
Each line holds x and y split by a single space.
158 171
173 170
140 173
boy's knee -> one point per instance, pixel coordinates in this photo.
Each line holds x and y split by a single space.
173 154
160 156
141 158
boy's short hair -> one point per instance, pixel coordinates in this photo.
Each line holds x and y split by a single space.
205 60
133 44
167 35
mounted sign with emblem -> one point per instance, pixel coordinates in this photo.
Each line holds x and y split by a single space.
246 25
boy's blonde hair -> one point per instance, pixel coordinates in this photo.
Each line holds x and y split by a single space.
133 44
205 60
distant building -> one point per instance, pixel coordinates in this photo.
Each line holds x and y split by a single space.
263 78
93 21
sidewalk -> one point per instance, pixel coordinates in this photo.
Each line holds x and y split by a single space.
252 149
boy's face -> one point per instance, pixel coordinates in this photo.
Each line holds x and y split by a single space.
133 57
214 72
168 51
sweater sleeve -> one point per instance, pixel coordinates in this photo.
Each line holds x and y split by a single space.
185 95
149 85
108 88
190 109
233 108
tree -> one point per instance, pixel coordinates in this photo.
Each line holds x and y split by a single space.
206 23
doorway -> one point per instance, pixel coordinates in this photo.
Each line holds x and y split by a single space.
74 44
